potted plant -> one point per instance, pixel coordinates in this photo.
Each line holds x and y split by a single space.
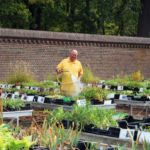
8 141
105 97
93 94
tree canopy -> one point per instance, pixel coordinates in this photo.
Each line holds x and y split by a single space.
109 17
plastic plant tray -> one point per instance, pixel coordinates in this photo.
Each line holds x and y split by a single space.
120 115
66 99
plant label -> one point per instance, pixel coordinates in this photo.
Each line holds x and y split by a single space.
24 97
81 102
18 87
107 87
10 86
30 98
107 102
56 83
15 96
141 90
111 95
102 82
38 88
124 134
3 86
41 99
120 88
4 95
33 88
16 93
46 89
56 90
84 85
144 136
90 85
100 86
26 87
123 97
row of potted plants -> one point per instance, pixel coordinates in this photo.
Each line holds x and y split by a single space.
100 121
14 105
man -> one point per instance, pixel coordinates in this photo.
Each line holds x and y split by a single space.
74 66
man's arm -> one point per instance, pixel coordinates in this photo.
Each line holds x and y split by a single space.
80 76
58 70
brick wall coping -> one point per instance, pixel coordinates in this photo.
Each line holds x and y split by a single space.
32 34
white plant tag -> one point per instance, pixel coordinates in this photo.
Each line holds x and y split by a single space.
142 89
144 136
120 88
16 93
90 85
41 99
100 85
84 84
56 90
4 95
22 97
102 82
38 88
18 87
30 98
107 87
46 89
33 88
107 102
111 95
56 83
15 96
3 86
123 97
81 102
26 87
10 86
124 134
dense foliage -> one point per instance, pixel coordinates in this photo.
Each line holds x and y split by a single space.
113 17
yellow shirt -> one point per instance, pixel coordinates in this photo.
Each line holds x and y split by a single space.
75 68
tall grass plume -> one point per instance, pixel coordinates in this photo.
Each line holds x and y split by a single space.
88 76
20 72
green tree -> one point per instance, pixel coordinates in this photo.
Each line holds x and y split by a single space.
126 14
14 14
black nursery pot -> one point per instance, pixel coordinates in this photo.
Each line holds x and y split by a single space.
114 132
130 97
125 88
88 128
47 100
59 102
116 96
82 145
144 98
136 89
72 103
96 102
113 87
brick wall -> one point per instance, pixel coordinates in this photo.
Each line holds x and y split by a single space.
106 55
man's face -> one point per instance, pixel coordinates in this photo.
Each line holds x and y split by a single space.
73 56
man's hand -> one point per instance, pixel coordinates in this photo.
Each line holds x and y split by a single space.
80 75
58 70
